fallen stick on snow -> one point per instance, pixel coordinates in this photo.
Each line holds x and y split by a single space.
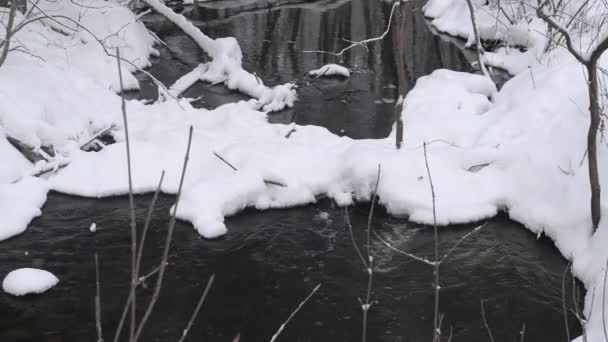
268 182
96 136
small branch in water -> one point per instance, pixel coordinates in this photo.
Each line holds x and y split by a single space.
362 42
133 286
485 322
436 325
409 255
98 302
163 263
197 309
564 307
464 237
280 330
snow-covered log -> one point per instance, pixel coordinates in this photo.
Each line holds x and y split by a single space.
226 66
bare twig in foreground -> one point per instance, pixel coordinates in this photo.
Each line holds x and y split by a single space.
97 302
198 308
485 322
280 330
163 265
436 325
564 307
266 181
132 294
604 302
365 306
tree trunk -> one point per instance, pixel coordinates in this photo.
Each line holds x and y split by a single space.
594 110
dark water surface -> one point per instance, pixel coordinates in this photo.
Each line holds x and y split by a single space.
273 40
269 261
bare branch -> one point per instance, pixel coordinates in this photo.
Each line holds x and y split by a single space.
437 325
475 230
553 24
409 255
485 322
97 302
362 42
280 330
564 308
352 237
198 308
163 265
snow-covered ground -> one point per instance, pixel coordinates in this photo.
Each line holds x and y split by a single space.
520 150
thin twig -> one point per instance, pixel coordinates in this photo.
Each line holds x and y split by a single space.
564 306
133 295
362 42
98 302
145 277
280 330
352 237
147 223
370 260
409 255
485 322
266 181
604 302
161 273
436 325
475 230
198 308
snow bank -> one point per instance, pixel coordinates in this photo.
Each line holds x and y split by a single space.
19 204
57 88
515 25
330 70
535 137
28 280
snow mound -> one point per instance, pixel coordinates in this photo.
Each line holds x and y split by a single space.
19 204
28 280
330 70
524 30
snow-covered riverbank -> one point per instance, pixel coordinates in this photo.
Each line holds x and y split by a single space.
520 152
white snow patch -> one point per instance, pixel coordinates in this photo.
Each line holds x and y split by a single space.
19 204
330 70
25 281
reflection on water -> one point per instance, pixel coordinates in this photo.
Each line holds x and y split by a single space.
268 263
274 40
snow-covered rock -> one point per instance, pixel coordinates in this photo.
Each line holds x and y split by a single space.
330 70
28 280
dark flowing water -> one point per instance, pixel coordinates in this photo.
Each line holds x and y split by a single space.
270 261
273 40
